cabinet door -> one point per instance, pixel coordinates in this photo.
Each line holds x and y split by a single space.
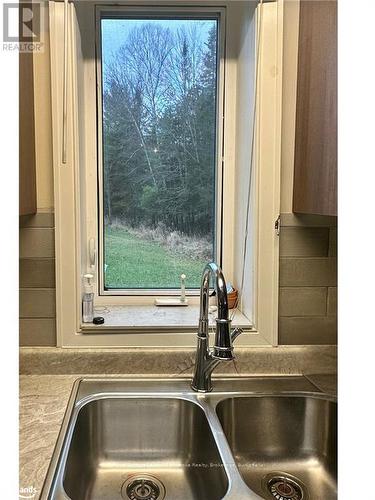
315 168
27 198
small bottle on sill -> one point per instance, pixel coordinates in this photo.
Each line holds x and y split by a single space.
88 299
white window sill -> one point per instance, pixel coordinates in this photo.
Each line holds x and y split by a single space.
152 318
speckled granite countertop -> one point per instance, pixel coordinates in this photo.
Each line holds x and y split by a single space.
43 400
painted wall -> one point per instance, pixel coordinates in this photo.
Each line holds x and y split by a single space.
43 131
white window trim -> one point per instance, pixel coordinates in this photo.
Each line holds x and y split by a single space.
266 199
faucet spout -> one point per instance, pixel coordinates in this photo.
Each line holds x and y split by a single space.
206 359
221 291
223 343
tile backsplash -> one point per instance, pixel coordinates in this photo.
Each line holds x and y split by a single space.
37 280
308 281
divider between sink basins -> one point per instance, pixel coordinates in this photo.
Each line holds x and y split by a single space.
237 489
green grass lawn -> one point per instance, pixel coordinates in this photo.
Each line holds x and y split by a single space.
136 263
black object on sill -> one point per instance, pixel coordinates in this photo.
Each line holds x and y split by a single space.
98 320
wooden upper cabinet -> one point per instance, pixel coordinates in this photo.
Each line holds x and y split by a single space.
315 167
27 160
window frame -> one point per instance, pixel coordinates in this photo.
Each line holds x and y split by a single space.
74 215
175 11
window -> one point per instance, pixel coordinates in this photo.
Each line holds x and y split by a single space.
158 148
81 213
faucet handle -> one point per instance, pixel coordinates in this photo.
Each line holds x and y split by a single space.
223 348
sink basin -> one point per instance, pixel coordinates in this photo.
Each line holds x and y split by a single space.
283 445
136 446
156 439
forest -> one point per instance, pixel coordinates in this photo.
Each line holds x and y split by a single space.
159 134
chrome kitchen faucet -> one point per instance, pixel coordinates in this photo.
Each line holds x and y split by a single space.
208 359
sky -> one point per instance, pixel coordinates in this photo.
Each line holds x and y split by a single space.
116 31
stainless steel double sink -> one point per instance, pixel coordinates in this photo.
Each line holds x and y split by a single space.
150 439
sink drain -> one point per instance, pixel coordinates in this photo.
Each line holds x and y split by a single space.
284 487
143 487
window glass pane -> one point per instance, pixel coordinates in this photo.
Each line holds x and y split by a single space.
159 86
